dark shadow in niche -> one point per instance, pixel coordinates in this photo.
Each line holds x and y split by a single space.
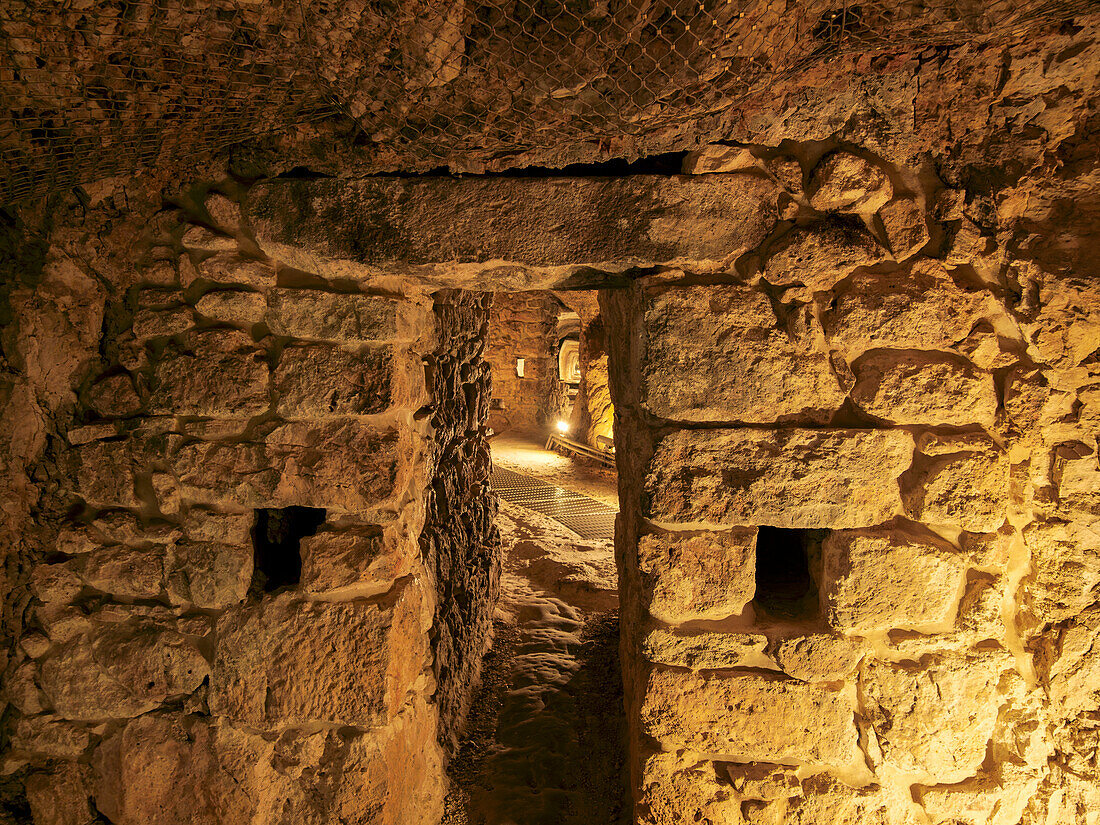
276 543
785 585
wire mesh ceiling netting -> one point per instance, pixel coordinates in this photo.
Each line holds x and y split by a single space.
94 88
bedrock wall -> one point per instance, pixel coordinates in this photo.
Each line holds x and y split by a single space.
249 485
858 547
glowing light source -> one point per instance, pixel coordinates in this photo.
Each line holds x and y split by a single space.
563 426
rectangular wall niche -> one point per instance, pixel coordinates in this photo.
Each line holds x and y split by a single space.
276 541
785 586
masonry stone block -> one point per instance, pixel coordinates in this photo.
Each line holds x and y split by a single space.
782 478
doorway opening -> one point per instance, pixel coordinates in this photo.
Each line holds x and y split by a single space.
544 741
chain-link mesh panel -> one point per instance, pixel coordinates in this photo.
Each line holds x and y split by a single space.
90 88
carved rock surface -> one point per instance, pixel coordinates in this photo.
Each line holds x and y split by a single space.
921 308
698 575
968 490
781 478
915 388
614 221
844 182
820 255
877 580
935 721
750 718
288 661
718 353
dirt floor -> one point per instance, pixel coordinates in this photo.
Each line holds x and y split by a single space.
544 744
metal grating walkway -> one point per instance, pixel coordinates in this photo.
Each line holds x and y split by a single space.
588 518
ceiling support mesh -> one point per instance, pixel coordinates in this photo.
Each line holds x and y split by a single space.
93 88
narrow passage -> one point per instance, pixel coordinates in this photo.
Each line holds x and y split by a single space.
544 743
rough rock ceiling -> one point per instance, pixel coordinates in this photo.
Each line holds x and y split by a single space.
93 88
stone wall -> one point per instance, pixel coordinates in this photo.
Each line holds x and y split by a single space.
858 543
523 325
222 608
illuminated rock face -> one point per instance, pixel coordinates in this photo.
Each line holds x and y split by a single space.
253 564
857 546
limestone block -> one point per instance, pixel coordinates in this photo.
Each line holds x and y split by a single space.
781 478
935 721
921 388
114 396
50 736
329 316
966 490
231 473
762 782
227 267
719 158
1065 565
155 323
208 575
120 671
214 372
317 380
343 464
191 770
987 350
102 473
920 308
820 255
906 227
843 182
998 798
34 645
56 582
748 718
92 432
878 580
691 576
613 221
199 238
932 443
703 651
225 212
1073 674
233 307
1067 327
819 657
20 687
160 273
286 661
362 556
788 171
125 571
679 788
718 353
222 528
61 796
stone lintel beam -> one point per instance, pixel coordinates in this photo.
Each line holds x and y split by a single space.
511 233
